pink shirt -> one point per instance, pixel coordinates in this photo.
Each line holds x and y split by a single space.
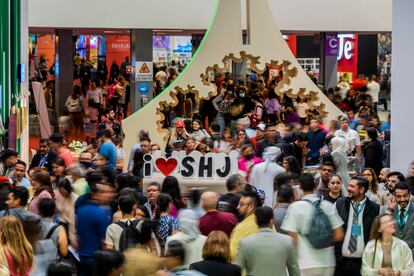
11 265
245 164
66 155
174 211
34 203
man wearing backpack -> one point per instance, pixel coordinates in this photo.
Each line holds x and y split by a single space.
358 213
123 234
313 224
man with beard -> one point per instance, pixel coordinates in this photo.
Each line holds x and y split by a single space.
109 123
403 212
382 178
8 159
393 179
44 156
249 201
358 214
326 171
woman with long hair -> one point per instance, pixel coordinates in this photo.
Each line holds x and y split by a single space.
59 170
170 186
178 137
375 192
216 255
225 143
168 225
385 254
42 188
16 253
334 188
199 133
291 165
240 139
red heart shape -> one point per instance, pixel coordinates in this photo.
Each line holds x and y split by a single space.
166 166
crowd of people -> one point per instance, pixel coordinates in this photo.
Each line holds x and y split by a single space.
309 199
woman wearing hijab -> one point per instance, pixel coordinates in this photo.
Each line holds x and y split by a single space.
263 174
190 236
339 150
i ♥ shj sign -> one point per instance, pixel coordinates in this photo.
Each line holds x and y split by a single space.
194 165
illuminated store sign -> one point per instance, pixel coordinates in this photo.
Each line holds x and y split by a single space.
345 46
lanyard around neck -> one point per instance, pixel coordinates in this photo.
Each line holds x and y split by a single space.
358 209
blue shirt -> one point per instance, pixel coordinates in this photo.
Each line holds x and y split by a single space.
25 182
385 126
91 221
108 149
316 141
167 225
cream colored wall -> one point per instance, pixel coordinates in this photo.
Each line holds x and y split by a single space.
224 38
293 15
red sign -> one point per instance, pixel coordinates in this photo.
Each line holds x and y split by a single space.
348 55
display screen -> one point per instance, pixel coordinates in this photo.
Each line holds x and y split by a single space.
161 42
182 44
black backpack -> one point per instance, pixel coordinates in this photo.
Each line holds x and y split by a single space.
130 235
320 231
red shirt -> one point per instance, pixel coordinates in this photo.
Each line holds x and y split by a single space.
217 220
66 155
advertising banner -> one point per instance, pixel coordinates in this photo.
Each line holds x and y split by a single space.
331 45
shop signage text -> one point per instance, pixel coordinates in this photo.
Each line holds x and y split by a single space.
345 46
193 165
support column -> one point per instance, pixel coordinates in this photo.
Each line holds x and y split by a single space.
23 80
196 41
402 132
5 89
141 51
63 68
328 64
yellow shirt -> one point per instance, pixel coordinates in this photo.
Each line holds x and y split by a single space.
245 228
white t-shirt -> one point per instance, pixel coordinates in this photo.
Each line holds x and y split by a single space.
351 137
373 90
360 239
263 178
298 219
113 234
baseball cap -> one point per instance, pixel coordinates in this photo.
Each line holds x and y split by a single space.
179 124
4 179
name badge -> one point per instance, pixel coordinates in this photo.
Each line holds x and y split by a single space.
356 230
